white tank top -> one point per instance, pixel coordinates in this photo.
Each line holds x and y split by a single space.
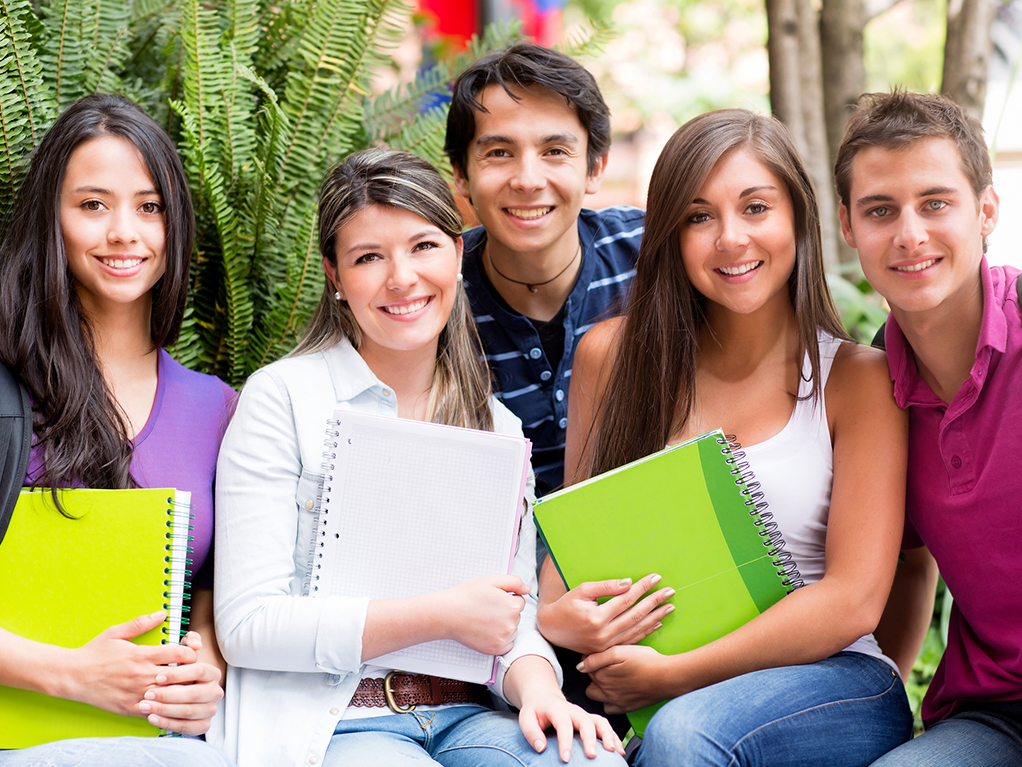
795 469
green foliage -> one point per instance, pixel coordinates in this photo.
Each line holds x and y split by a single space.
860 307
261 99
904 46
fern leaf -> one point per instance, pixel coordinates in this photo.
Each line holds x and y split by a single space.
586 41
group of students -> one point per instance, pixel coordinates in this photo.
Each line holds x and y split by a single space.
603 336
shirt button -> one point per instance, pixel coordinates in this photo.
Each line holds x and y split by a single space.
956 461
386 392
563 423
559 395
535 353
545 375
310 505
335 711
313 760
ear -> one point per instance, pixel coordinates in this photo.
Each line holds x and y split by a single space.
846 225
596 177
459 243
461 184
331 276
989 209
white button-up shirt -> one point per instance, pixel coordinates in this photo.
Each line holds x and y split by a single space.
295 661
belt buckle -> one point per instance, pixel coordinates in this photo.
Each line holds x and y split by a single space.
388 693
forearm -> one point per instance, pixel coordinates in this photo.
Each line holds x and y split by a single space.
530 677
29 665
808 625
202 624
909 610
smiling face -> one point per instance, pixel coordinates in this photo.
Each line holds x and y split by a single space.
112 222
738 235
526 171
399 276
917 224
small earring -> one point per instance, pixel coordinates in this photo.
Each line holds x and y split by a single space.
460 277
337 295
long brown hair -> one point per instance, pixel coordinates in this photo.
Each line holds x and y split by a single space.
460 391
652 384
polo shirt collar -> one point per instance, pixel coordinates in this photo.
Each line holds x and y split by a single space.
909 387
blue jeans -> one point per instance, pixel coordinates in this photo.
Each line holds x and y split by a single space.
843 711
460 736
117 752
963 740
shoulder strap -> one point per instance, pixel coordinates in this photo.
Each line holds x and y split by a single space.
878 339
15 443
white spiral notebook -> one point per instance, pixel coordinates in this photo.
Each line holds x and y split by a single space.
409 507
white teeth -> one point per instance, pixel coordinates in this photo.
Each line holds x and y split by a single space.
734 271
120 263
530 213
407 308
916 267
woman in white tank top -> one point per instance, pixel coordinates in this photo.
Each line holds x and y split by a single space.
731 326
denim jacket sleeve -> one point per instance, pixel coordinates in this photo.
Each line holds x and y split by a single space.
263 619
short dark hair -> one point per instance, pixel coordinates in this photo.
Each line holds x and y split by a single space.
525 65
895 120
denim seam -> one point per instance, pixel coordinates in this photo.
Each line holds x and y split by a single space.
765 725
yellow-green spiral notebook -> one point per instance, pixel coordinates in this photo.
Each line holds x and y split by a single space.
64 580
691 513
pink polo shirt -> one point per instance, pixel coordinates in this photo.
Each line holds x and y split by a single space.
965 500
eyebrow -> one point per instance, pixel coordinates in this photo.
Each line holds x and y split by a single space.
744 193
933 191
375 245
488 139
100 190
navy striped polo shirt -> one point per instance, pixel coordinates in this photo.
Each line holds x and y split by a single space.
532 386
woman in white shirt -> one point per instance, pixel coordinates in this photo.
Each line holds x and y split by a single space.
392 335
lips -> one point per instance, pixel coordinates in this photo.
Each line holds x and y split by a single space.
529 214
407 308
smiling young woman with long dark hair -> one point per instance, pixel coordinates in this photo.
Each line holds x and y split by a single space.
93 281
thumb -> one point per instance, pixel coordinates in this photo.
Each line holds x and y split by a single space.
594 589
512 584
136 626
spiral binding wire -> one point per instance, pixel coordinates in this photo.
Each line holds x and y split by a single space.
763 519
175 559
319 527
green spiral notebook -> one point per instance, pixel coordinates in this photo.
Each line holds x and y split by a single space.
63 581
690 513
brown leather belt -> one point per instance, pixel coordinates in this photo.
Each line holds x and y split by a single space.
402 692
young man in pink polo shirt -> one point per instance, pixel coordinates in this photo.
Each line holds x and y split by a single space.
914 178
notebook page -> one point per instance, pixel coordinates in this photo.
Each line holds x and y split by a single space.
410 507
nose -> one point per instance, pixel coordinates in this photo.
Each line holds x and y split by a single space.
402 273
528 175
731 235
911 233
123 227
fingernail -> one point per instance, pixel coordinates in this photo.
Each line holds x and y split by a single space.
670 609
670 593
538 744
150 695
625 582
155 614
160 679
565 756
655 580
153 720
581 666
658 626
144 707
